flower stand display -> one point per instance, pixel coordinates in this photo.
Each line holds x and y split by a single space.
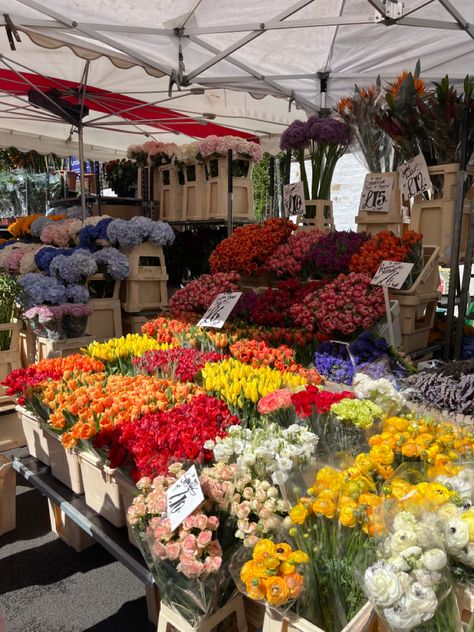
216 170
102 493
35 435
435 218
323 216
7 496
11 430
67 530
193 192
372 222
364 621
46 348
146 286
168 190
64 463
235 605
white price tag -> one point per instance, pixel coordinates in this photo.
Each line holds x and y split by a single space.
376 193
219 310
414 177
183 497
392 274
293 199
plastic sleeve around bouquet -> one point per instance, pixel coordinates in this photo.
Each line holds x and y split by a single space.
192 598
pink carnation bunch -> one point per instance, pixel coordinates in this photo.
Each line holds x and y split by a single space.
290 257
199 294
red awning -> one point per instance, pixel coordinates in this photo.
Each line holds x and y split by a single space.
112 103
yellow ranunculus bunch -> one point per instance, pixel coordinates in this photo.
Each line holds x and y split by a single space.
349 496
272 573
439 444
241 385
420 498
129 346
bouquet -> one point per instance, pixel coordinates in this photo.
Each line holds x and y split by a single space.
326 140
189 564
122 176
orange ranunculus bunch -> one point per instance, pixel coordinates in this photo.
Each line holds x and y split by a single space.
165 330
247 249
349 496
383 246
438 444
83 405
282 358
272 573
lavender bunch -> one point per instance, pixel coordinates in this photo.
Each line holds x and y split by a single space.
454 394
333 252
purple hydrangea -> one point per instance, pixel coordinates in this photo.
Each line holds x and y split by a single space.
40 289
75 268
121 232
77 294
38 225
112 263
139 229
161 234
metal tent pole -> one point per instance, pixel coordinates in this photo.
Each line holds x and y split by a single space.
230 194
466 282
80 132
460 193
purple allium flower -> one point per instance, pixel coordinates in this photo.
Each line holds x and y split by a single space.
328 131
295 136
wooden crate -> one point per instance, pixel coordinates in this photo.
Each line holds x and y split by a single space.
168 190
101 490
46 348
465 599
106 319
11 429
254 613
194 193
7 495
372 222
67 530
142 295
364 621
324 217
128 491
234 606
417 313
428 281
64 463
132 324
35 435
27 347
146 261
100 278
10 359
216 194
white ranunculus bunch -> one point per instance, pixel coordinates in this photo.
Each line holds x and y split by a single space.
381 392
409 581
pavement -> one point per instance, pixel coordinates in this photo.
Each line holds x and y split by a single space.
45 586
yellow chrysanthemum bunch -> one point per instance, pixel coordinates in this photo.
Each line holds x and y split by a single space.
240 384
131 345
272 573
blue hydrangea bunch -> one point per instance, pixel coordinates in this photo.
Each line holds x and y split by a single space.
42 290
75 268
112 263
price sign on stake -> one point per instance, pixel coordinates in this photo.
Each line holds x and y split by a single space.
414 177
183 497
376 193
219 310
391 274
293 199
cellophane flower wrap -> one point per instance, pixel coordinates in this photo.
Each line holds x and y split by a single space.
271 573
407 577
190 565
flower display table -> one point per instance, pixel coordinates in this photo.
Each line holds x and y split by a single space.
67 530
7 496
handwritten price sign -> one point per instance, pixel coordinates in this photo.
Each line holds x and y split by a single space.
414 177
219 310
183 497
392 274
293 199
376 193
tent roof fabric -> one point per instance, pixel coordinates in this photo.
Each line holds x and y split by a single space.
253 59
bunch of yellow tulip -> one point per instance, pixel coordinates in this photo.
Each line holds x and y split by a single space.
242 386
126 347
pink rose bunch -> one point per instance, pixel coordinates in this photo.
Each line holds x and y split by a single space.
57 234
348 304
290 257
193 546
199 294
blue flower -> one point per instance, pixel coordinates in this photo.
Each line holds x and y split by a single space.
75 268
77 294
40 290
112 263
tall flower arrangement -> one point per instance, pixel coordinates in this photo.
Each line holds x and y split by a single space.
325 140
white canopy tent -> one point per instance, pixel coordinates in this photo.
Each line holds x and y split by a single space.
253 59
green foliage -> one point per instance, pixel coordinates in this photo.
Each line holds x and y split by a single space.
33 162
9 292
261 184
122 176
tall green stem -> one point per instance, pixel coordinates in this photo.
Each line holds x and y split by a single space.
300 156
